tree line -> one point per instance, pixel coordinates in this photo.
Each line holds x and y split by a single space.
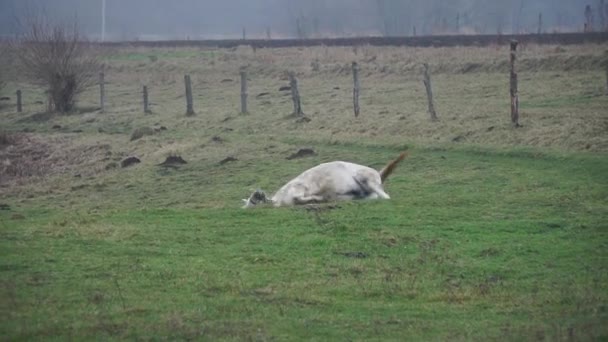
204 19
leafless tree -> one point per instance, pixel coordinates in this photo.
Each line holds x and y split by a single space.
602 10
5 62
3 66
56 56
588 19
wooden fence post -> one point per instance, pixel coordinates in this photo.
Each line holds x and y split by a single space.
540 23
243 91
102 91
49 101
513 87
606 78
429 92
19 103
295 94
146 104
189 105
356 89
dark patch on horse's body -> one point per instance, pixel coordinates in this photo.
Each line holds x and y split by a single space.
258 197
360 193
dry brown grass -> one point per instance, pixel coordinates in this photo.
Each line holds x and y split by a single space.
30 157
561 93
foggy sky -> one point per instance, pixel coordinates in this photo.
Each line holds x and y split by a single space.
200 19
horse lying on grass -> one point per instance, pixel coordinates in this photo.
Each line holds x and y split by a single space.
327 182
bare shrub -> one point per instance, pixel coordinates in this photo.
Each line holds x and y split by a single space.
4 63
57 57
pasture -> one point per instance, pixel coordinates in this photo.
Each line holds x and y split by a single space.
492 233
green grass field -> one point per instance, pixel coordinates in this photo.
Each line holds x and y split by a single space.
490 234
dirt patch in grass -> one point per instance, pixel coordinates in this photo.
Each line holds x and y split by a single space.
6 139
38 117
318 208
358 255
228 160
303 152
26 156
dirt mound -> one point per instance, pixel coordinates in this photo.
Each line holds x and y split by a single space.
129 161
173 161
228 160
303 152
217 139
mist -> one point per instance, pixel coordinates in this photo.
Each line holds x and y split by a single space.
261 19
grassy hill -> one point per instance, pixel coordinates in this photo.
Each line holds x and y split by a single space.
491 233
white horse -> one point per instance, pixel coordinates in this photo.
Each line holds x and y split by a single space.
331 181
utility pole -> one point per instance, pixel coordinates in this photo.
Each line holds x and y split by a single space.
103 20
